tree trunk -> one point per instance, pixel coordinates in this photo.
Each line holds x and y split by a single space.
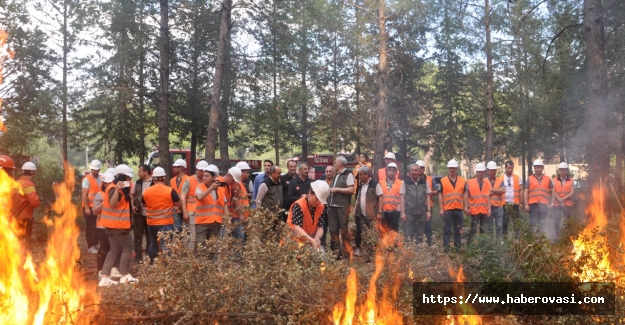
382 109
193 152
163 109
225 102
276 126
65 54
598 150
490 104
304 87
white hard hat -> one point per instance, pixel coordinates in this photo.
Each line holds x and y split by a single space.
107 177
129 172
123 169
201 165
29 166
480 167
491 165
236 173
95 164
420 163
538 162
562 165
242 165
392 165
389 155
453 164
212 168
159 172
180 163
322 190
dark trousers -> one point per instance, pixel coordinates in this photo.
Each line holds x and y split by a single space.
483 219
325 229
391 220
511 210
92 238
362 222
538 214
414 227
428 231
559 213
337 222
452 219
157 245
105 247
139 231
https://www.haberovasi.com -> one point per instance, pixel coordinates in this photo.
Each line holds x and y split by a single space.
509 299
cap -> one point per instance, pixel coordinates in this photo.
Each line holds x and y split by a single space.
322 190
389 155
29 166
235 172
538 162
563 165
480 167
491 165
242 165
159 172
392 165
180 163
95 164
420 163
453 164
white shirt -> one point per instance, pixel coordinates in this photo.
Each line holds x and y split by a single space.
363 197
510 188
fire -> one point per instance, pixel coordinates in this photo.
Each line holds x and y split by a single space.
52 292
4 54
468 311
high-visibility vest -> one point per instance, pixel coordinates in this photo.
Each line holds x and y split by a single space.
309 223
453 197
191 201
478 199
497 200
242 209
562 191
517 189
391 199
172 183
118 218
98 222
159 207
92 191
209 210
538 192
430 181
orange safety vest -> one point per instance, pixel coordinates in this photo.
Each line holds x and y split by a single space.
243 204
478 199
172 183
159 207
191 201
98 222
118 218
562 191
517 189
453 198
93 190
429 179
497 200
209 210
538 192
391 199
309 223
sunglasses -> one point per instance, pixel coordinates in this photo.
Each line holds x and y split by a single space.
509 184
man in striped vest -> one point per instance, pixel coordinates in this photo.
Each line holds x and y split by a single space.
306 214
479 201
513 184
562 197
211 205
452 199
497 191
91 187
187 197
176 182
240 204
391 198
538 192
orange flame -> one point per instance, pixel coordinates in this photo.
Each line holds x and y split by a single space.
469 316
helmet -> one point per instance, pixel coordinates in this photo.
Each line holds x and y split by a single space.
95 164
453 164
389 155
538 162
180 163
129 172
420 163
6 162
111 170
107 177
201 165
480 167
392 165
242 165
235 172
123 169
212 168
159 172
29 166
491 165
322 190
563 165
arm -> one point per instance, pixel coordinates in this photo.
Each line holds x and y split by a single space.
525 200
85 200
175 197
116 197
402 207
347 190
440 203
204 194
466 203
489 202
428 205
568 196
262 190
183 199
380 205
497 191
31 195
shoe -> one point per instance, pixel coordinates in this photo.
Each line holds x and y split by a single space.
322 249
99 275
92 250
357 252
139 260
128 279
115 273
106 282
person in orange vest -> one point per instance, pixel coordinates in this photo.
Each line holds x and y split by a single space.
513 185
389 157
245 178
188 200
115 218
432 193
91 187
538 192
105 246
7 164
479 207
211 206
306 214
240 204
452 200
24 202
562 196
391 199
176 182
497 191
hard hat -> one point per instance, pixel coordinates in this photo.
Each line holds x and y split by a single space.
201 165
111 170
107 177
159 172
392 165
491 165
6 162
242 165
420 163
322 190
235 172
538 162
480 167
29 166
95 164
123 169
212 168
389 155
180 163
563 165
453 164
129 172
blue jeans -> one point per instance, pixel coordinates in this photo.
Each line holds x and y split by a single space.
452 219
483 219
238 231
496 217
538 214
155 244
178 222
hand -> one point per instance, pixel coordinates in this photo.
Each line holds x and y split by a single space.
441 212
120 185
185 217
488 214
87 211
135 209
527 208
428 216
549 206
403 216
467 211
520 206
178 210
214 186
380 215
332 190
313 242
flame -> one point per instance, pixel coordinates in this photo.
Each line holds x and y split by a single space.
469 315
4 54
53 292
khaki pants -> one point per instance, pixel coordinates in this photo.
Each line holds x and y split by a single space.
190 228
